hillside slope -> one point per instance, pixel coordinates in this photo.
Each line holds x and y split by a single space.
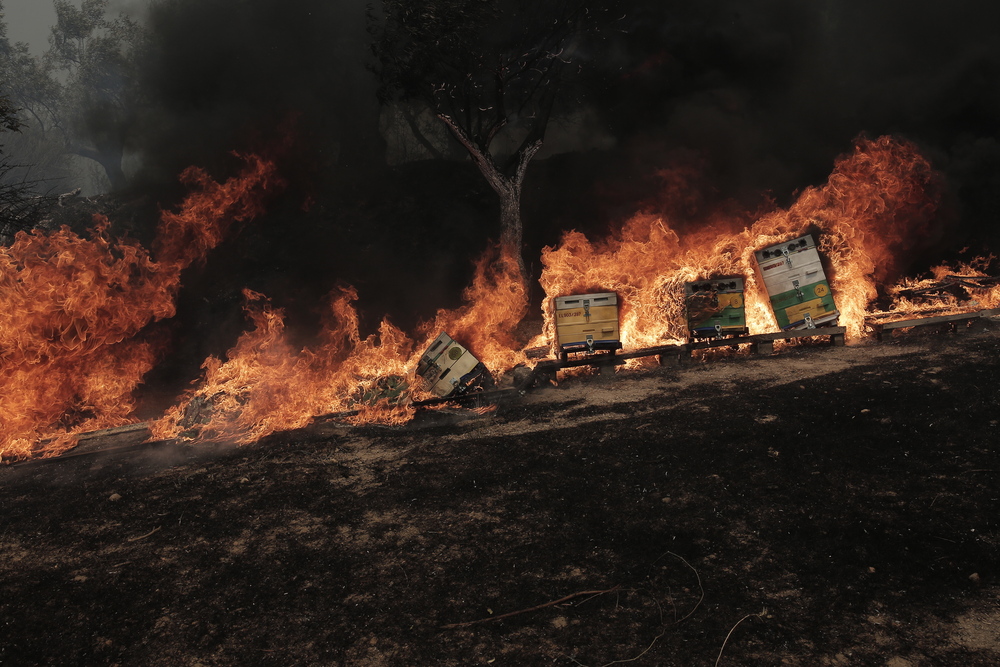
824 506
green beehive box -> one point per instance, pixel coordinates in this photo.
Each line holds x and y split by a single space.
715 307
800 295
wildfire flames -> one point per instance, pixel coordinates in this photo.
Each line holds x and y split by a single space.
966 279
877 202
266 385
75 308
72 309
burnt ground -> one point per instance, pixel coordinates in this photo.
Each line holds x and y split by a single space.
824 506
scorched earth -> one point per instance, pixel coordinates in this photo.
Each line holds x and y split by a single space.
821 506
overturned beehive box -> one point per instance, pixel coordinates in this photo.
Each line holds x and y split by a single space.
448 369
587 323
792 273
715 307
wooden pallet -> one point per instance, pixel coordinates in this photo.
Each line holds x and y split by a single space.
129 438
764 343
956 322
679 352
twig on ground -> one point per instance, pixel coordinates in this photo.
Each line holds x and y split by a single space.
659 636
529 609
142 537
762 613
700 587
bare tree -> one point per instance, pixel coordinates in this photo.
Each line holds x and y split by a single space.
492 71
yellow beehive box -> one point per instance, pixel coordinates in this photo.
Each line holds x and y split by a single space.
587 322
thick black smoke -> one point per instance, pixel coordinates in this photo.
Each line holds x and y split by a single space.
766 93
228 75
763 94
745 99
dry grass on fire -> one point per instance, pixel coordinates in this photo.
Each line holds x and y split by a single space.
825 506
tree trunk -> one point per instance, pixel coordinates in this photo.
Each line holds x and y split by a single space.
110 160
116 175
511 226
508 188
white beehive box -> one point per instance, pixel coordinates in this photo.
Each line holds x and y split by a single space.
447 367
796 284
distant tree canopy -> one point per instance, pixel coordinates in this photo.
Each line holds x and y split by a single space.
8 116
493 71
82 97
20 208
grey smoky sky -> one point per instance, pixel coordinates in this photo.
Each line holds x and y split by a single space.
30 20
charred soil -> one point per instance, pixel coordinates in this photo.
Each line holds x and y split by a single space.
822 506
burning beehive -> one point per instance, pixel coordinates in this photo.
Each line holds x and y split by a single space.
793 276
449 369
587 323
267 383
715 307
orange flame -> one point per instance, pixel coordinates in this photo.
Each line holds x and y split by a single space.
877 203
495 304
970 295
265 385
71 309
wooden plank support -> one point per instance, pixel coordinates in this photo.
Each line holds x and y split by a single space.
659 350
763 347
764 343
801 333
118 430
708 343
545 370
951 321
129 433
471 397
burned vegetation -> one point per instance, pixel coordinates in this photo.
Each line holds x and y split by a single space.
825 506
510 355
